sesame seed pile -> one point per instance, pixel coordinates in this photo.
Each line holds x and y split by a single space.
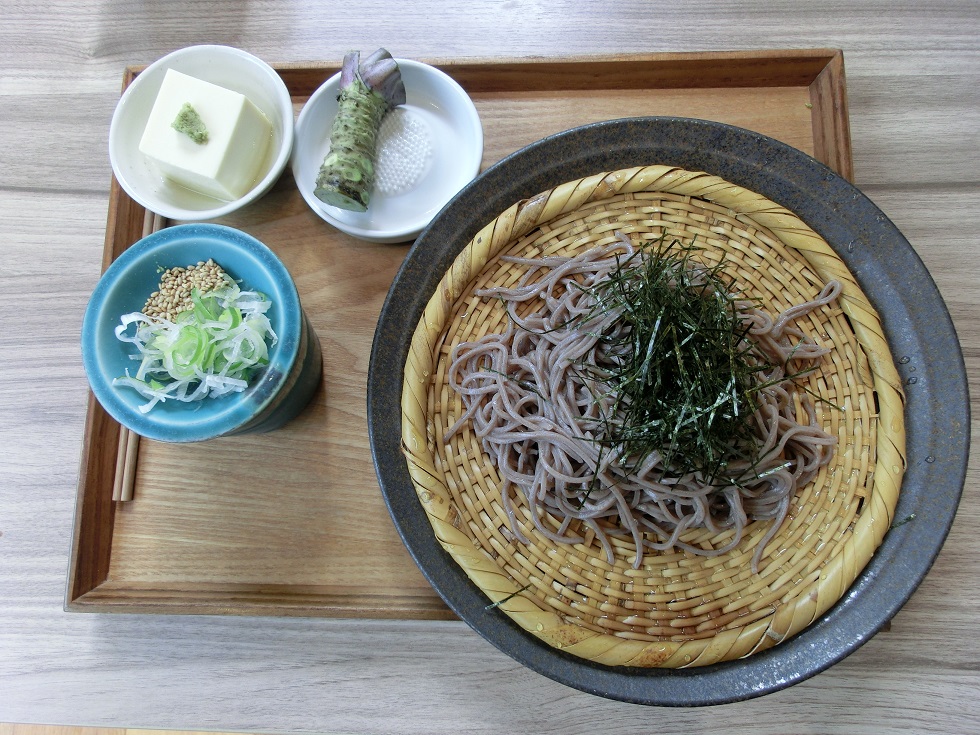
176 284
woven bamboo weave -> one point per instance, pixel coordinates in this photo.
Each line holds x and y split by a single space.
677 609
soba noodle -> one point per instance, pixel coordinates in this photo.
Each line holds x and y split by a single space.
535 412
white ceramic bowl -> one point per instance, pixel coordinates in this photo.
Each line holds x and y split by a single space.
438 120
227 67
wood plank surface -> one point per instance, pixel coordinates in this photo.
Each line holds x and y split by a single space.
913 83
12 729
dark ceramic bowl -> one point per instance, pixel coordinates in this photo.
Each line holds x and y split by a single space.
916 322
274 396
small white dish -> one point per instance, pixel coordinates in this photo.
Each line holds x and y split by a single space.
227 67
428 149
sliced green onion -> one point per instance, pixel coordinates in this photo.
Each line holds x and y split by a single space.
210 350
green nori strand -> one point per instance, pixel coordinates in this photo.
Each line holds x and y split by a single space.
899 524
684 384
509 597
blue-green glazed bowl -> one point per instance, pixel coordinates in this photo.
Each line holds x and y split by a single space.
275 395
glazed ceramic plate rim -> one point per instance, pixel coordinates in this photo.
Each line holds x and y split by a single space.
421 81
236 412
881 259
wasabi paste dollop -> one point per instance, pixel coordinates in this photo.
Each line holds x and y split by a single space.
190 124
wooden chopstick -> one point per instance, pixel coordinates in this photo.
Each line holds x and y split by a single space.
127 450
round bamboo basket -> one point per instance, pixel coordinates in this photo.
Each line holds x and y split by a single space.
677 609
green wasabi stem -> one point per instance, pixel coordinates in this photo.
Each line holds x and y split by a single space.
190 124
368 91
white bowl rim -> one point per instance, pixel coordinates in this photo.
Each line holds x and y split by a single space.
395 234
285 108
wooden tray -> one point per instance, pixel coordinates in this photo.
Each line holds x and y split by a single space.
293 522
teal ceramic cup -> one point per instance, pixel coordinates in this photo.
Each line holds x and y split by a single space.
276 393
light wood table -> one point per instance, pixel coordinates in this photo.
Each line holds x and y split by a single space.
913 75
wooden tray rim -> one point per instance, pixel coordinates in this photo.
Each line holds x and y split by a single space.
89 589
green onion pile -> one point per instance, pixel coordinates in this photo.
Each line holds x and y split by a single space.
209 350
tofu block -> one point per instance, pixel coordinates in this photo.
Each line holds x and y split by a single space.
228 164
